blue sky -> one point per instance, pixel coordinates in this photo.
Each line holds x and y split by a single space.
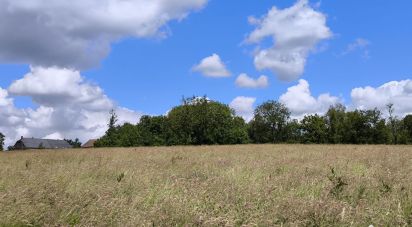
369 45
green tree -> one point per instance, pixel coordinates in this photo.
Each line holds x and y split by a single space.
335 119
376 127
238 133
2 138
269 123
393 123
201 121
154 131
74 143
111 137
365 127
128 135
314 129
406 130
294 132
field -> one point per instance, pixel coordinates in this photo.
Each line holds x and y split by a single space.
264 185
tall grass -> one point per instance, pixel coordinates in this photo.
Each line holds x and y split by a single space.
247 185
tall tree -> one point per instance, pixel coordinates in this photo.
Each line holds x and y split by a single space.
314 129
2 137
202 121
154 131
110 139
293 132
335 119
269 123
365 127
406 129
393 123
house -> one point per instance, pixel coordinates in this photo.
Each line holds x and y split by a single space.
33 143
89 144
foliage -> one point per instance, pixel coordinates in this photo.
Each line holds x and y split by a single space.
270 123
314 129
200 121
335 118
393 124
2 137
365 127
406 129
74 143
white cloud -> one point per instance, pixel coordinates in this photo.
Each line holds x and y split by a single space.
212 66
295 32
398 93
54 136
4 100
244 107
60 87
300 101
245 81
78 33
359 44
68 107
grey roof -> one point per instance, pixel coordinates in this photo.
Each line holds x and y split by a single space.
45 143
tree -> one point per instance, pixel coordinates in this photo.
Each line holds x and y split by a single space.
335 120
154 131
406 130
376 127
365 127
2 137
74 143
200 121
314 129
269 123
393 123
110 139
293 132
112 121
128 135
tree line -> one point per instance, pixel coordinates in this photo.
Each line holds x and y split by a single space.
200 121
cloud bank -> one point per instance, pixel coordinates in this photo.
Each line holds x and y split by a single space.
301 102
78 34
295 31
398 93
68 107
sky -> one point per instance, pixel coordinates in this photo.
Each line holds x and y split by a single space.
65 65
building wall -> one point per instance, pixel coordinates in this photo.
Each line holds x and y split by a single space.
19 146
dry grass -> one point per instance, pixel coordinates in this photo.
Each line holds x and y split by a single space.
210 186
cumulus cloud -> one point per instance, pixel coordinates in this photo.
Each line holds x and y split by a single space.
301 102
398 93
243 80
77 34
60 87
295 32
212 66
243 107
68 107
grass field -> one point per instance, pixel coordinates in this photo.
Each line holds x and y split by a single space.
209 186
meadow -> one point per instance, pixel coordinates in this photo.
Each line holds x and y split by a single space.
245 185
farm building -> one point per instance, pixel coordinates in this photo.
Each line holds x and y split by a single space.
33 143
89 144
